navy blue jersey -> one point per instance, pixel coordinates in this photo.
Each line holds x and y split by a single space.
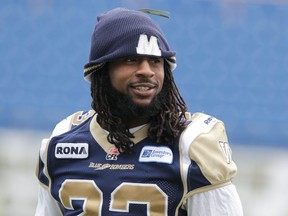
86 174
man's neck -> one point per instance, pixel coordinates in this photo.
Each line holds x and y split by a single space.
135 122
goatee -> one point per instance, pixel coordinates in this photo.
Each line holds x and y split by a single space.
123 106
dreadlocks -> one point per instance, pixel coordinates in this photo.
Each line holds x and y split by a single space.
165 123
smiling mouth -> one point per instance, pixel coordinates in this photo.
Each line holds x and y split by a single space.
142 88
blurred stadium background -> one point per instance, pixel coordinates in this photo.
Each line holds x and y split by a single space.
232 62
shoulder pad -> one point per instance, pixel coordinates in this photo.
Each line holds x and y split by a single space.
205 142
71 121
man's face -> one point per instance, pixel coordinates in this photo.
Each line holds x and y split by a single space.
140 78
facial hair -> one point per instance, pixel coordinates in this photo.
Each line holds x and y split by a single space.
123 106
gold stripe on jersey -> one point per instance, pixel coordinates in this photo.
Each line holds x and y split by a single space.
200 142
100 135
80 116
208 154
45 144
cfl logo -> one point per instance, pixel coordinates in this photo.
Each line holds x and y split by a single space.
111 157
112 154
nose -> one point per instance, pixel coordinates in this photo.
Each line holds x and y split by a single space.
144 69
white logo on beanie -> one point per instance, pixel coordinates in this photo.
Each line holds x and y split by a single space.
148 47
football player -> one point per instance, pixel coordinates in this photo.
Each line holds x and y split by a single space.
137 151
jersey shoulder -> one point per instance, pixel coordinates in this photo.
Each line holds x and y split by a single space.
206 143
72 121
66 125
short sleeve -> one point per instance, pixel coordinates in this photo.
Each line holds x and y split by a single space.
206 154
63 126
71 121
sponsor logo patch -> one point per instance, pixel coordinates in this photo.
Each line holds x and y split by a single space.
161 154
208 120
71 150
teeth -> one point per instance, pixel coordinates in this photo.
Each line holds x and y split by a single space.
142 88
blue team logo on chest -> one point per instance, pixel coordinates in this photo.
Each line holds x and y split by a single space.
72 150
159 154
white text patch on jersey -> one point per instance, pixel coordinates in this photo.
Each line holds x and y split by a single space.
159 154
71 150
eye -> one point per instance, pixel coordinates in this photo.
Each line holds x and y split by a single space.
156 60
130 60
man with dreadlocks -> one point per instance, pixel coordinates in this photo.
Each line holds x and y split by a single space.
138 151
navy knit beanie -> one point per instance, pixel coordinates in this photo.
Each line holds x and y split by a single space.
121 33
